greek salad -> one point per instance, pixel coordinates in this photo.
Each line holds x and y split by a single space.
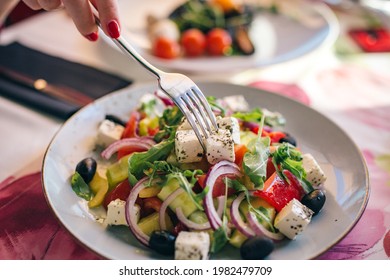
199 28
251 188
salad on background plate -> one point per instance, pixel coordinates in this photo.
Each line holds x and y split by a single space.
250 34
128 178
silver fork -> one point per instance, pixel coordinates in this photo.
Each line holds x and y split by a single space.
181 89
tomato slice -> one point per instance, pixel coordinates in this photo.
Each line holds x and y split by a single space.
239 152
121 191
276 136
129 150
132 125
150 205
202 180
219 186
270 167
278 192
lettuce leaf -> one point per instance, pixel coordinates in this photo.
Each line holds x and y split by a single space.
289 157
141 161
272 119
255 160
186 178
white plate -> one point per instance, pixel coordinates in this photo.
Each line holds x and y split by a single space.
298 30
347 185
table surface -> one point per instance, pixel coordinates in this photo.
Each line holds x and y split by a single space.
352 90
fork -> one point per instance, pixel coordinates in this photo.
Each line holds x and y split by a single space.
181 89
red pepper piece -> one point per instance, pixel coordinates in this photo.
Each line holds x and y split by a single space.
279 192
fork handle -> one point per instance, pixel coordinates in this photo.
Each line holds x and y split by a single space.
128 49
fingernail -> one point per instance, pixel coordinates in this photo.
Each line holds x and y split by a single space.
92 36
113 29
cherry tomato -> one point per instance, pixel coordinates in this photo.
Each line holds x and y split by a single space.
278 192
121 191
219 186
218 42
193 42
166 48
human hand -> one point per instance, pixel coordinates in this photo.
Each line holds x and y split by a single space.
81 13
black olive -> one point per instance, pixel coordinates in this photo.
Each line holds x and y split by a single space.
115 119
314 200
256 248
289 139
162 242
87 169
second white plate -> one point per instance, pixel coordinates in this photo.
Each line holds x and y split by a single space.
295 31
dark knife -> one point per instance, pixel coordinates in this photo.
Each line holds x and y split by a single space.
57 91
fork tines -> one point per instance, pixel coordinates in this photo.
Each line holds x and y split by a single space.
198 113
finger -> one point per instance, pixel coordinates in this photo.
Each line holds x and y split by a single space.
108 14
33 4
50 5
80 12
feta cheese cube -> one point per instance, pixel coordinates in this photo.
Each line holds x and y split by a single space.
314 173
155 105
220 146
293 218
236 103
108 133
184 125
231 124
192 246
187 147
116 214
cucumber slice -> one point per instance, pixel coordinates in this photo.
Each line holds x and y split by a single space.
151 223
237 239
118 172
183 200
198 217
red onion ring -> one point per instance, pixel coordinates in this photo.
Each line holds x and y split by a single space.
190 224
165 205
221 205
221 168
130 215
143 143
259 229
243 227
165 99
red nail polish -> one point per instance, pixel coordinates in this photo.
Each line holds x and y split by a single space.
113 29
92 37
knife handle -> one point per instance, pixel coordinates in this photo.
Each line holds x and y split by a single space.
59 92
